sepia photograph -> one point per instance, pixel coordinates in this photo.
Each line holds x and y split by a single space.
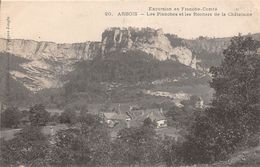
116 83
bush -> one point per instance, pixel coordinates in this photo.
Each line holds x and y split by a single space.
38 115
87 145
68 117
10 118
28 148
54 118
141 146
253 140
170 152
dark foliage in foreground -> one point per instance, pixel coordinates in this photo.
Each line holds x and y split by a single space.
29 147
137 146
234 113
88 143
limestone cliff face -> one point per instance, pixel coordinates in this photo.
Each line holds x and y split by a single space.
151 41
48 61
33 50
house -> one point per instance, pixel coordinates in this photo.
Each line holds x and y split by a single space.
116 119
156 115
133 116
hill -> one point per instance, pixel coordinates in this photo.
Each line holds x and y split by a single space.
166 63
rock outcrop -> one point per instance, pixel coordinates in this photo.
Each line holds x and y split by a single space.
151 41
47 61
33 50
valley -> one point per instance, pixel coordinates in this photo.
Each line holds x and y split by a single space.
135 82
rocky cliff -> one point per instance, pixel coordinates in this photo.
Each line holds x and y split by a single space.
47 60
32 50
151 41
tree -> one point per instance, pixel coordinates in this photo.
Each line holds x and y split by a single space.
140 145
38 115
236 83
149 123
55 118
68 117
88 144
28 148
183 117
10 118
234 112
170 152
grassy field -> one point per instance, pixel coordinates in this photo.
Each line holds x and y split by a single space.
8 134
47 130
169 131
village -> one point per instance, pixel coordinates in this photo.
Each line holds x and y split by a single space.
126 116
116 117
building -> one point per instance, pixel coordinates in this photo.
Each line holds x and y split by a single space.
156 116
114 119
133 116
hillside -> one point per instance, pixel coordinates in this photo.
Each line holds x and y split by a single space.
17 89
47 61
134 70
173 64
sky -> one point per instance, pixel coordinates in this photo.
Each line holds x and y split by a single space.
80 21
